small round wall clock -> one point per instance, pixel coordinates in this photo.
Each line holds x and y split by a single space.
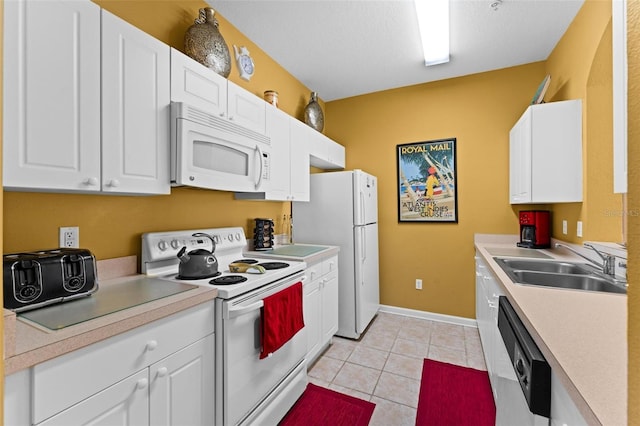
245 63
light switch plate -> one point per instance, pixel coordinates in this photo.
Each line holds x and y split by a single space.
579 229
564 227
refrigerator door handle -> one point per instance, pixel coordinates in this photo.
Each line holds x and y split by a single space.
363 213
364 247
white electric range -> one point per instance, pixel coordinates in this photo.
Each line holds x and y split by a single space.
249 390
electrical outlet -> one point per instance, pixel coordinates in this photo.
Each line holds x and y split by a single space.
564 227
579 229
418 284
69 236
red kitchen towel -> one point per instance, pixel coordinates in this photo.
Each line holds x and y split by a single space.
281 318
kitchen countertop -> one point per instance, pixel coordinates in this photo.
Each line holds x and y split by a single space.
290 252
27 344
582 334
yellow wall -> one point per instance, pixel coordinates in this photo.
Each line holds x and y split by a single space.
633 40
580 68
478 110
111 225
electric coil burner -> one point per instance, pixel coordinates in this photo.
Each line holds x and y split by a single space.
228 280
273 265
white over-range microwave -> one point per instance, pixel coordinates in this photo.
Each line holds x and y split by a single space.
211 152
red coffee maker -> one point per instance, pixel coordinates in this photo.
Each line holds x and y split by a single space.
535 229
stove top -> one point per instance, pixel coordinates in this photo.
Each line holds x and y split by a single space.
159 258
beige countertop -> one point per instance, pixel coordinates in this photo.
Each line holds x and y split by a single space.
582 334
309 260
27 344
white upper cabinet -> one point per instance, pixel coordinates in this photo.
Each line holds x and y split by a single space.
199 86
135 109
545 154
51 95
290 160
55 109
325 153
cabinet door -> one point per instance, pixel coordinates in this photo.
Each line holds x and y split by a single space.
278 131
51 95
520 160
182 386
300 178
329 306
125 403
245 109
135 109
197 85
312 317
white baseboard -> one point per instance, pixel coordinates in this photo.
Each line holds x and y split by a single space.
466 322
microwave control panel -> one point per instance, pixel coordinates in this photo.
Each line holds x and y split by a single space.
266 166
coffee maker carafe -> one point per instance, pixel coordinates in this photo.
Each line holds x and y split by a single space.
535 229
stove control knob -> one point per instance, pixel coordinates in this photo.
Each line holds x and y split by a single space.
238 236
230 237
162 245
175 244
216 238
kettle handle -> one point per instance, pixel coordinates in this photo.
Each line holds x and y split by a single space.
202 234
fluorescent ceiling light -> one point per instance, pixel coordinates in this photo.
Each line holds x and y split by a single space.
433 20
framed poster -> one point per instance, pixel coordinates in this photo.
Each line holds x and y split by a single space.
427 184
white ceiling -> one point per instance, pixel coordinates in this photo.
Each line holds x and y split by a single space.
346 48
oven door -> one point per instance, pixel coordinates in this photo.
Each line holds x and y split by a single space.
247 383
214 153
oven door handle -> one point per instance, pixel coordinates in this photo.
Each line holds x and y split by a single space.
233 313
236 312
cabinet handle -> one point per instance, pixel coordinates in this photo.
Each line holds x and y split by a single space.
91 181
151 345
231 118
142 384
492 304
222 114
162 371
114 183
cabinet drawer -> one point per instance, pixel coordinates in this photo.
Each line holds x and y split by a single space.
89 370
314 271
329 265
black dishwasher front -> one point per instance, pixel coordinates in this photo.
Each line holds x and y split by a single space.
531 368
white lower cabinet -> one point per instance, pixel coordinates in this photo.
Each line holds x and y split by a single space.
161 373
182 386
320 305
487 294
125 403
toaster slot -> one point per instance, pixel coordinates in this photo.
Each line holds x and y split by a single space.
73 272
27 280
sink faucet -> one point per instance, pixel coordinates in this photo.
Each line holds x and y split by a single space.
608 264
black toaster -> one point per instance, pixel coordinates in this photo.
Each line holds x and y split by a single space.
39 278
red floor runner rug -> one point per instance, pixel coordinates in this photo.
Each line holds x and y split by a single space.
454 395
320 406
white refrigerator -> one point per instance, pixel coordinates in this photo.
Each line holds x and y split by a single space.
343 211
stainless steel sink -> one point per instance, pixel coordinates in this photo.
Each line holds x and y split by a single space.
546 266
558 274
570 281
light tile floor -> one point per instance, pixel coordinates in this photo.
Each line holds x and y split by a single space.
385 365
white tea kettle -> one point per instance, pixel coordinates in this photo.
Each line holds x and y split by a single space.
198 263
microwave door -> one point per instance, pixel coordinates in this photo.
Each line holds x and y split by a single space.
210 158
